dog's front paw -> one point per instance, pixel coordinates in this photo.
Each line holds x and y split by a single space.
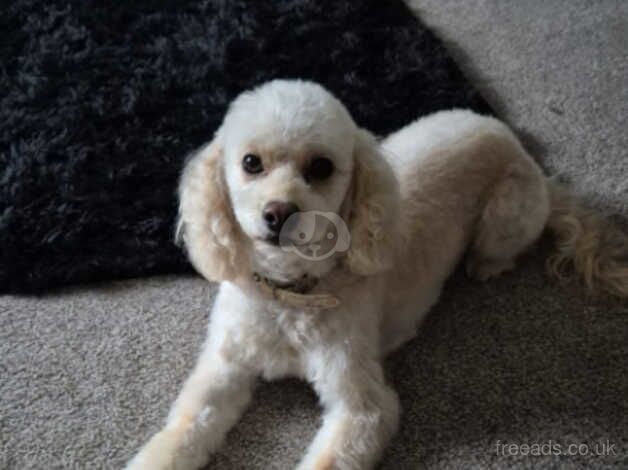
167 450
157 454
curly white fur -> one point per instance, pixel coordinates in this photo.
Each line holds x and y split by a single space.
414 204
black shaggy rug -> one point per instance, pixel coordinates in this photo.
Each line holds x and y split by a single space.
101 101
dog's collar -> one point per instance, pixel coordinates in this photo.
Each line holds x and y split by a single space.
295 293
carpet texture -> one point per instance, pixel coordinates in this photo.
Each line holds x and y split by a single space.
86 375
101 101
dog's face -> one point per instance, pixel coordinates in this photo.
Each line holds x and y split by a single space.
286 188
288 151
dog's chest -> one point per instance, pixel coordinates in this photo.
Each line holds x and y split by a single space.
293 334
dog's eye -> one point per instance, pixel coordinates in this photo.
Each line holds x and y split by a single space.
252 164
320 168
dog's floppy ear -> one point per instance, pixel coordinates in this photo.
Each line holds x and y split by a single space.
207 225
374 206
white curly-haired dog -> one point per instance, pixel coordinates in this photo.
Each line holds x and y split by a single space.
331 247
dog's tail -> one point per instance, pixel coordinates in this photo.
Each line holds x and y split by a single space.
586 245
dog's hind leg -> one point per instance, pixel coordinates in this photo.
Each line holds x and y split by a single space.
514 215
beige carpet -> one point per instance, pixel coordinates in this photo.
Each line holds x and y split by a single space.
87 375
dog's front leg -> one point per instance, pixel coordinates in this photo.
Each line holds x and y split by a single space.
361 415
212 400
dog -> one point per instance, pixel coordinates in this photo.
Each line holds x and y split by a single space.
330 248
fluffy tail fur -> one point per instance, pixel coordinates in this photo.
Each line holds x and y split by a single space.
587 245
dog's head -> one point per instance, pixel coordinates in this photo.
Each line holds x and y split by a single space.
288 186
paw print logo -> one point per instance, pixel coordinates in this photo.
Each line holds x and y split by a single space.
314 235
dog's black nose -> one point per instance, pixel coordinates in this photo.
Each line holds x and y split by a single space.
276 213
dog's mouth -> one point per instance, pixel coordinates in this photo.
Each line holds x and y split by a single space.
311 247
276 240
272 240
266 239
